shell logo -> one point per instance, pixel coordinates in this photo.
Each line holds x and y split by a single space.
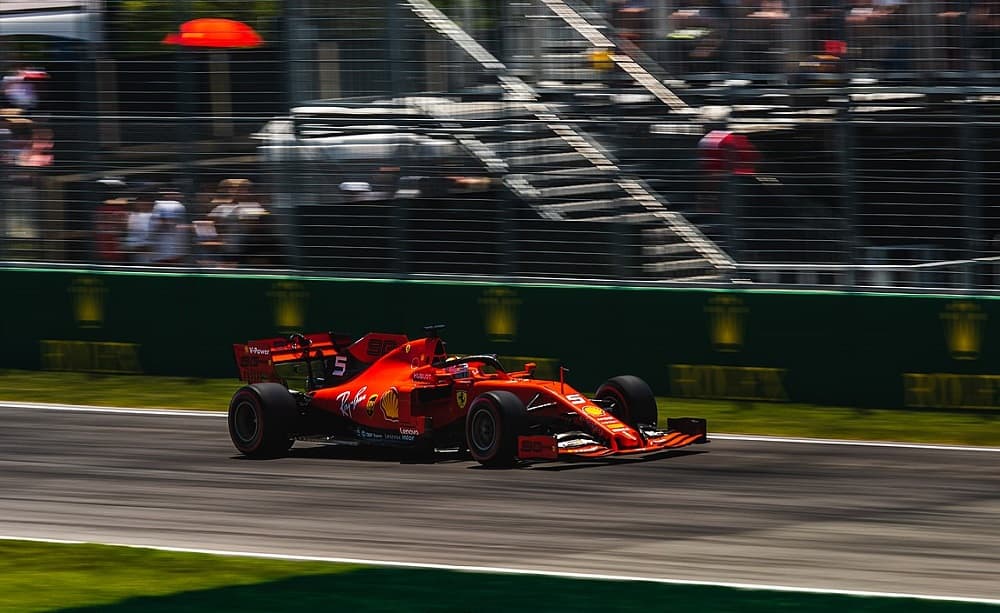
593 411
390 404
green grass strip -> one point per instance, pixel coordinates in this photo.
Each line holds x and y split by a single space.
738 417
814 421
117 390
47 577
57 577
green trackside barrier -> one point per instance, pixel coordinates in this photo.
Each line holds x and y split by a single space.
847 349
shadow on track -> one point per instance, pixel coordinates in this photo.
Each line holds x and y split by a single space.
349 453
391 590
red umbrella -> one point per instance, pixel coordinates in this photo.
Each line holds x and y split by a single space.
215 32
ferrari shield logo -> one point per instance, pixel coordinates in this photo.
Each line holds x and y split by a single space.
461 397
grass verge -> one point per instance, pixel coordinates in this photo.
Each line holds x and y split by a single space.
57 577
117 390
776 419
813 421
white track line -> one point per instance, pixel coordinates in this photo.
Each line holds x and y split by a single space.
830 441
518 571
732 437
79 408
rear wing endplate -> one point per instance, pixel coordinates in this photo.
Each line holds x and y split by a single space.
256 360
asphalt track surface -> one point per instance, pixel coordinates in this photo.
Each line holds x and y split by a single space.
884 519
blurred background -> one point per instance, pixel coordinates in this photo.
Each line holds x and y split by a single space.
818 143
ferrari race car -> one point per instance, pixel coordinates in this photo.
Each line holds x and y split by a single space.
385 389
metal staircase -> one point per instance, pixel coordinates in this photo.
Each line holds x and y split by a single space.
559 170
566 35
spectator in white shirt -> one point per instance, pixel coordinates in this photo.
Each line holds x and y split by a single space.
169 229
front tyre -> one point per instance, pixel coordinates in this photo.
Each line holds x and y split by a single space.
492 425
260 420
630 399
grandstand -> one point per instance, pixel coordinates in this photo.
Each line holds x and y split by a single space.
792 142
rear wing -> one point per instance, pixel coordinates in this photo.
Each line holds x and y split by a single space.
257 360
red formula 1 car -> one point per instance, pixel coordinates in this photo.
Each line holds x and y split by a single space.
385 389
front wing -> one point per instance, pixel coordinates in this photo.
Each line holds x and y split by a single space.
680 432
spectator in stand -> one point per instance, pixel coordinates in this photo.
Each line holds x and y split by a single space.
24 148
6 135
631 19
138 238
261 246
879 34
950 21
760 31
824 48
110 228
985 22
698 31
824 23
169 229
20 89
233 208
725 157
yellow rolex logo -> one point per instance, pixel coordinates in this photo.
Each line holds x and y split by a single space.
289 299
88 301
500 306
727 322
963 329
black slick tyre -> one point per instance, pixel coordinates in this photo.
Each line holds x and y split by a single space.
260 420
630 399
492 425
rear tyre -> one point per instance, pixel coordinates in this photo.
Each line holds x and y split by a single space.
629 399
260 420
492 425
